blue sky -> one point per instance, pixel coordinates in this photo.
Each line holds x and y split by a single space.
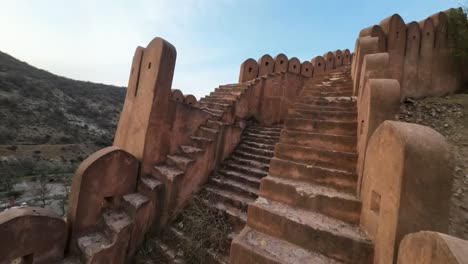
95 40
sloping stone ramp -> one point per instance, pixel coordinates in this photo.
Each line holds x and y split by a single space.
308 211
225 198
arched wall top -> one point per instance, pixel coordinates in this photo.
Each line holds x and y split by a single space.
393 22
177 95
346 57
294 65
281 63
249 70
99 182
307 69
31 232
338 54
319 65
190 99
266 65
329 61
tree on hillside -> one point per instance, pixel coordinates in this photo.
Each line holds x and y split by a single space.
41 190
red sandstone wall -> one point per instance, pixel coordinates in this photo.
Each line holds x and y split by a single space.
251 69
419 55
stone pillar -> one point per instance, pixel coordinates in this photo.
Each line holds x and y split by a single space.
406 186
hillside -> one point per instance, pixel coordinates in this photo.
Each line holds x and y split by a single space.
38 107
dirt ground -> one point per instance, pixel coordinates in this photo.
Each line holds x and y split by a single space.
448 116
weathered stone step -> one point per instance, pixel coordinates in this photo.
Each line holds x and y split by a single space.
228 96
231 89
258 135
327 201
190 151
114 222
254 150
240 177
251 246
327 101
92 245
219 100
213 105
312 231
236 217
262 131
214 113
229 93
317 140
346 116
259 145
322 126
245 170
258 139
179 162
233 186
247 155
164 251
318 94
251 163
201 142
215 124
167 172
322 108
231 198
337 179
317 157
206 132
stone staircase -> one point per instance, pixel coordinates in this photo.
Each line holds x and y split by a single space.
308 211
224 198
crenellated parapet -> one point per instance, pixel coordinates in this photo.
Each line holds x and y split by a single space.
420 55
251 69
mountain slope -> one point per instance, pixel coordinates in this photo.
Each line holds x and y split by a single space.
38 107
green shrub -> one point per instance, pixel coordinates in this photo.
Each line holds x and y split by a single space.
458 36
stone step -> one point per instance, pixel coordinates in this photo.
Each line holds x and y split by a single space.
190 151
259 145
214 114
168 254
237 200
320 94
250 156
245 170
262 136
251 246
258 139
228 93
311 231
322 108
215 124
255 150
179 162
206 132
233 186
322 126
344 102
348 116
317 157
327 88
236 217
166 172
330 202
253 182
92 245
219 100
201 142
114 222
317 140
228 96
262 131
214 105
250 163
337 179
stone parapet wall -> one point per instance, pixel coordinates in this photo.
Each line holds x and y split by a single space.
251 69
